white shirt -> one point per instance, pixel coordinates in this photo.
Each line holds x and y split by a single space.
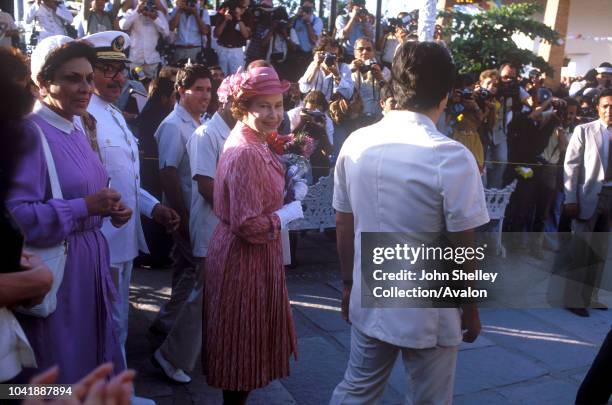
172 137
204 148
6 24
188 31
144 34
49 22
402 175
328 85
15 350
119 152
294 121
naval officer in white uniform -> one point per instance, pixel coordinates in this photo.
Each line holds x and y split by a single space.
119 153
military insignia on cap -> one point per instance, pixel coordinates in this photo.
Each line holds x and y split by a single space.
118 44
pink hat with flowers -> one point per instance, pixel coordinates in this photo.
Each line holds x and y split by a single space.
259 81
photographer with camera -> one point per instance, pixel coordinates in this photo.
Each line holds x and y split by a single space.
96 19
50 17
368 76
326 73
281 40
351 27
313 118
394 34
511 98
145 25
231 32
191 21
604 76
308 28
465 116
262 12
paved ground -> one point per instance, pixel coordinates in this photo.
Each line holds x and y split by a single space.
523 356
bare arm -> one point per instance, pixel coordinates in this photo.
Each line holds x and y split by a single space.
206 187
345 241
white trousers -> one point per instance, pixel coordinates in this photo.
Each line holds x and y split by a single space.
230 59
430 373
121 274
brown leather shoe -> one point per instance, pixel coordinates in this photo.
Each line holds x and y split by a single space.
579 311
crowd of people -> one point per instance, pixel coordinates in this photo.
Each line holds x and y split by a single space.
137 127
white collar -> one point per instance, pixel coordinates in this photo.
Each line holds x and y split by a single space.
218 121
405 115
100 103
53 118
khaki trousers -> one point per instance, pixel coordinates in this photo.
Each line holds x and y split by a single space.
430 373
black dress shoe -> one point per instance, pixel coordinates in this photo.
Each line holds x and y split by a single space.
599 305
579 311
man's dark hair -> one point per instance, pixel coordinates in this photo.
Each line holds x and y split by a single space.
161 87
188 75
507 64
591 75
423 74
316 98
602 94
325 42
61 55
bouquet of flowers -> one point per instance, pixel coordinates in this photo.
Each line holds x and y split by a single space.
294 151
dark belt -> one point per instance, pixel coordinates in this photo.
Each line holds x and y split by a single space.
229 46
186 46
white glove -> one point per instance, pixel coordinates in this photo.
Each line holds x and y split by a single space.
290 212
300 189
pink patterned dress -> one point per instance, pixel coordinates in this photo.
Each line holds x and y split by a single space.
249 334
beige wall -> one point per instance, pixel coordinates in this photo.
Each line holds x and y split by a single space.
589 18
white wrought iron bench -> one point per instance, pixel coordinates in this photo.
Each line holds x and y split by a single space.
497 201
319 213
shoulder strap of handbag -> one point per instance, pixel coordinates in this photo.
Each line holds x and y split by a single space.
56 190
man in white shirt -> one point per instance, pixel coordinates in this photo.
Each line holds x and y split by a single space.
50 17
402 175
191 21
180 350
193 88
588 201
119 152
145 24
326 73
8 30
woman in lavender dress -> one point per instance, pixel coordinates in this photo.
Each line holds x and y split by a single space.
79 335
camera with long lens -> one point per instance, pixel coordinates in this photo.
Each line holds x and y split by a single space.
329 59
560 109
483 95
316 115
367 65
263 15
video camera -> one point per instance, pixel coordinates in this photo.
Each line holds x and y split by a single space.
409 22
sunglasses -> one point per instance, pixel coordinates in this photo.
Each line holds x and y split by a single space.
364 48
